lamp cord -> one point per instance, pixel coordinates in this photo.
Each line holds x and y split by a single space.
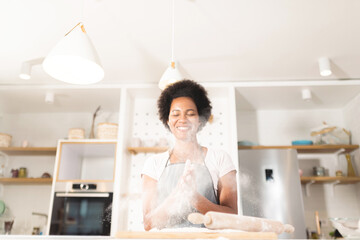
80 23
173 32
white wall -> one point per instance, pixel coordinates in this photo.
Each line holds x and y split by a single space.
280 127
45 129
351 114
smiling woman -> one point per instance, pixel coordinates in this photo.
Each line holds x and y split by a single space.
183 119
190 177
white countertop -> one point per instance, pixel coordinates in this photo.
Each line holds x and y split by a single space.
155 235
52 237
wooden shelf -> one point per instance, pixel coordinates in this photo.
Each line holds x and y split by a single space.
327 179
29 150
308 148
136 150
25 180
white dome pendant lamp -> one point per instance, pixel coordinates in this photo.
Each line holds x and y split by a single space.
172 73
74 59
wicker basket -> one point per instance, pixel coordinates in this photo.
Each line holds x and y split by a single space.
76 133
107 131
5 140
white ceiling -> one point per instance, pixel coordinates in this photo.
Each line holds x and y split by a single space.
215 40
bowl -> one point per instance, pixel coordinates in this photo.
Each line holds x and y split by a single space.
302 142
348 227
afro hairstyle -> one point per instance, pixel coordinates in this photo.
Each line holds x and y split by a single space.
185 88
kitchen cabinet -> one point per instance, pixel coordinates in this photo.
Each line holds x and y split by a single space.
86 160
83 179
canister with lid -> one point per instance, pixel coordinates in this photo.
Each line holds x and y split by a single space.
22 173
319 171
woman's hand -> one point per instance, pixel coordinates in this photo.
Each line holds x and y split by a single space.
184 192
187 183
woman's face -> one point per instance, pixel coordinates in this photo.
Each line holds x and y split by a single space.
183 118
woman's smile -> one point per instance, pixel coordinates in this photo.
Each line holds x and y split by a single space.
183 118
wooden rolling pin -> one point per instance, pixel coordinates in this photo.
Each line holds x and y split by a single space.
217 220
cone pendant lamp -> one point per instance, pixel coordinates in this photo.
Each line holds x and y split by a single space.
170 76
74 59
172 73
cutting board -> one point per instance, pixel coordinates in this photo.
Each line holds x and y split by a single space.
196 235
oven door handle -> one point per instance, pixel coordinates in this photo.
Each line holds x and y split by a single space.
82 194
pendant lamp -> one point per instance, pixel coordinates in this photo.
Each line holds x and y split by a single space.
74 59
172 73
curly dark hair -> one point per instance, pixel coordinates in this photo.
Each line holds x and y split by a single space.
185 88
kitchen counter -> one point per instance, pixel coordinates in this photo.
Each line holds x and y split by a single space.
22 237
154 235
197 235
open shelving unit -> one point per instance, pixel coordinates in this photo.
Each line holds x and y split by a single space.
27 151
332 181
299 148
308 148
25 180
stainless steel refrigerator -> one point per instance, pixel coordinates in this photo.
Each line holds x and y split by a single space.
270 187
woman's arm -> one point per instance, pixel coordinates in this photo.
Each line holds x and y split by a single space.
227 193
154 216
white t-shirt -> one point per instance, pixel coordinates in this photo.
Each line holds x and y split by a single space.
217 161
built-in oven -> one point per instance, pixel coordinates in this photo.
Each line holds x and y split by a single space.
82 210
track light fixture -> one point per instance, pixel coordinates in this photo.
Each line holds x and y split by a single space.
49 97
25 72
306 95
324 66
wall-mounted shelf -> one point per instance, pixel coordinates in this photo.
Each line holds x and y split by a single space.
327 179
136 150
25 180
29 150
308 148
333 181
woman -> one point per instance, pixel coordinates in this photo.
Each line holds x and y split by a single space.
188 178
